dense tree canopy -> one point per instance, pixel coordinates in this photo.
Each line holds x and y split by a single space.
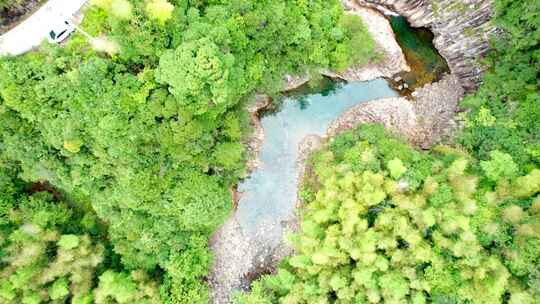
505 112
143 123
50 252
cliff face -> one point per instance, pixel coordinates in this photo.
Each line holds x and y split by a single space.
461 29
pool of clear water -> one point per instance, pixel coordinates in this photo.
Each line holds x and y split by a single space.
268 195
427 65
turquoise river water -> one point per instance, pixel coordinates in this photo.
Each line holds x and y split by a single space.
268 195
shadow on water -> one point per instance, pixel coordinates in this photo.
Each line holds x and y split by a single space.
427 65
323 86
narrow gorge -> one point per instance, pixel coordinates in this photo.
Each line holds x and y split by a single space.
461 28
270 151
250 242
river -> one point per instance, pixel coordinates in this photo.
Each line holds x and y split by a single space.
268 195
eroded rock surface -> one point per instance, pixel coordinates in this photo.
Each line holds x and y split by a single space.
294 82
424 120
435 106
461 28
254 142
396 114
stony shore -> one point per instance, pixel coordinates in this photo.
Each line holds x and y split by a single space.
254 142
424 119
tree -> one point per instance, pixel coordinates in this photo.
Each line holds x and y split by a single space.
199 76
160 10
500 166
51 252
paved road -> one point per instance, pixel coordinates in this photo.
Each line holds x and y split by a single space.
31 32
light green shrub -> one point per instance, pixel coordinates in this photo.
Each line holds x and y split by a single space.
365 239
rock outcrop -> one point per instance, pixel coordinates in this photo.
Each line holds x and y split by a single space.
294 82
424 120
254 142
395 113
435 106
461 28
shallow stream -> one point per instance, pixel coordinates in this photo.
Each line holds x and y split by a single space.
268 195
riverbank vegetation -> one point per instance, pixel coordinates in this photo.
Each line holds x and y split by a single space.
385 223
140 126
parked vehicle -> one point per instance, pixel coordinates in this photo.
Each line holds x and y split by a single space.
60 32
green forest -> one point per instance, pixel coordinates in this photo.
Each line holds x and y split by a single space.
119 149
